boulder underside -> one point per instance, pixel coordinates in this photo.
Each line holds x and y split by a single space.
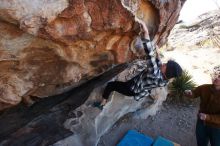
48 47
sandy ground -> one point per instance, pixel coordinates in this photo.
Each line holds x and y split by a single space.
199 62
175 122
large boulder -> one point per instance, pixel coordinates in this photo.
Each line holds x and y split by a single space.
48 46
73 123
88 123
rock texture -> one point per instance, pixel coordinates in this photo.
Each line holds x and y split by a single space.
47 46
92 123
89 123
202 32
49 123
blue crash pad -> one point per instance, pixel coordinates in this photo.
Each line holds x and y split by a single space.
133 138
160 141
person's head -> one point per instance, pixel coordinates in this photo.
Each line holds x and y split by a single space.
216 76
138 47
171 70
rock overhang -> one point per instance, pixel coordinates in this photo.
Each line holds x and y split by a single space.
47 46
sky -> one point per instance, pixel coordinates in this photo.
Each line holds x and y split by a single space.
193 8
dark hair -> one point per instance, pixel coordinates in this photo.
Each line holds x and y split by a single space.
173 69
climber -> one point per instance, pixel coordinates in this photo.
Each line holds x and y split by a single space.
155 75
208 122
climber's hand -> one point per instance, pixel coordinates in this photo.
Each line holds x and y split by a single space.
188 93
202 116
145 29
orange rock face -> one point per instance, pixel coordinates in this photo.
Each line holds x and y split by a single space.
46 46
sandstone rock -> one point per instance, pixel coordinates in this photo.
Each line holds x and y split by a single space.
93 123
48 46
31 15
87 123
202 32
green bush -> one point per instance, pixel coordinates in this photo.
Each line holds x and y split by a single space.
180 84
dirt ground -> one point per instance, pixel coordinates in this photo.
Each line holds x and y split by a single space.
175 122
